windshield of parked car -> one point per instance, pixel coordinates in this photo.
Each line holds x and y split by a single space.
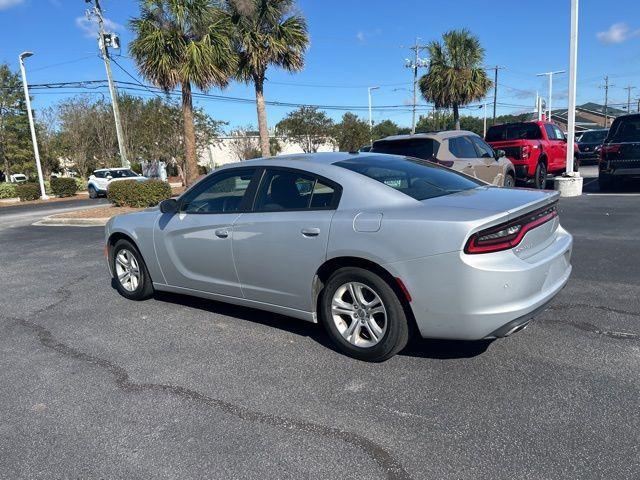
625 129
424 148
122 173
414 177
593 137
514 131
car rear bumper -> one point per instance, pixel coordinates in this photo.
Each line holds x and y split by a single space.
471 297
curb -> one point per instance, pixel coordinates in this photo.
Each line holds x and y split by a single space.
55 221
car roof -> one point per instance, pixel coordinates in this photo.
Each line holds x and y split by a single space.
110 169
439 135
326 158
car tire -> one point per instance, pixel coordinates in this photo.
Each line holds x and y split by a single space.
93 193
576 164
391 322
540 177
509 181
126 258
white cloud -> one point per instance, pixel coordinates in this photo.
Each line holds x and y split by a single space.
90 27
4 4
617 33
362 36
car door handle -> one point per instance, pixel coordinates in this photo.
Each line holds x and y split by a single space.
222 233
310 232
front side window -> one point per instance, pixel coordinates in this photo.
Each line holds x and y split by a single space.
461 147
413 177
291 190
222 193
484 150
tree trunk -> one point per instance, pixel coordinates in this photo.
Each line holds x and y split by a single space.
191 159
456 116
262 118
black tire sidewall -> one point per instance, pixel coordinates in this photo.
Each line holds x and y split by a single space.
93 193
538 183
512 181
145 287
396 336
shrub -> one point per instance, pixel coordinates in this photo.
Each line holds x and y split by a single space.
131 193
28 191
8 190
81 183
64 187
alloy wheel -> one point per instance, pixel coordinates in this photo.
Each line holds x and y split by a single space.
127 270
359 314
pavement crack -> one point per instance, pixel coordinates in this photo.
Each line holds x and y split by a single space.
64 291
589 327
568 306
391 467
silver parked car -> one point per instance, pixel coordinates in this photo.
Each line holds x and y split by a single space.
368 244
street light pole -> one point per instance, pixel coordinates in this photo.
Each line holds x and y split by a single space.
370 114
550 75
21 57
573 73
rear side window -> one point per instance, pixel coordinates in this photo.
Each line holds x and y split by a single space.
424 148
514 131
625 129
290 190
461 147
416 178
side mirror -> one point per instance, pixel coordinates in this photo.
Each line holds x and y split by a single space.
500 154
169 206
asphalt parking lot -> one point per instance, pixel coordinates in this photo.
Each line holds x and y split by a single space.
95 386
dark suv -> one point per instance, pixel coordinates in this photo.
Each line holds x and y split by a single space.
589 145
620 152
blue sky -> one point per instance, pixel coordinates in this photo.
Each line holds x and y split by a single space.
359 43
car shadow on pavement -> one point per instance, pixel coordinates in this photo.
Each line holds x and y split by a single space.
417 347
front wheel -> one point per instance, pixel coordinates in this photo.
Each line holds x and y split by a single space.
130 273
363 315
509 181
540 179
93 193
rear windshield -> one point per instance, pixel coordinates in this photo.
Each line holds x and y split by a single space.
625 129
411 176
424 148
514 131
593 137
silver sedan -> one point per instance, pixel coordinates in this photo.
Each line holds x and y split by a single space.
370 245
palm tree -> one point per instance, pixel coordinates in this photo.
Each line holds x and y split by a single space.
267 33
455 75
184 42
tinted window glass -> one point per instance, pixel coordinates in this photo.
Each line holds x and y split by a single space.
223 193
551 134
461 147
417 178
514 131
625 129
424 148
286 190
122 173
484 150
594 137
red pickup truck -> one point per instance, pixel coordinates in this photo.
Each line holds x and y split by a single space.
535 149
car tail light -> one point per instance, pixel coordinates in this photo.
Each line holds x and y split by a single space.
509 234
526 151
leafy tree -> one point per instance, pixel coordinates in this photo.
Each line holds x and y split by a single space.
351 133
455 76
184 42
307 126
15 137
385 128
244 144
275 147
267 33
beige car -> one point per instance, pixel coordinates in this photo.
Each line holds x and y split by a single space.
459 150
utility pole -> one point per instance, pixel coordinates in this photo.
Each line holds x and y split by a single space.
550 75
606 100
628 88
370 114
36 152
571 110
414 64
104 41
495 89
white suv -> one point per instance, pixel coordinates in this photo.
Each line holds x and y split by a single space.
100 179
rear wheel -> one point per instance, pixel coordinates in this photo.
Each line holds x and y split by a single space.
363 315
540 178
509 180
130 272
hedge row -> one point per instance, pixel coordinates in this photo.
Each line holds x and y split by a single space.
28 191
8 190
131 193
64 187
